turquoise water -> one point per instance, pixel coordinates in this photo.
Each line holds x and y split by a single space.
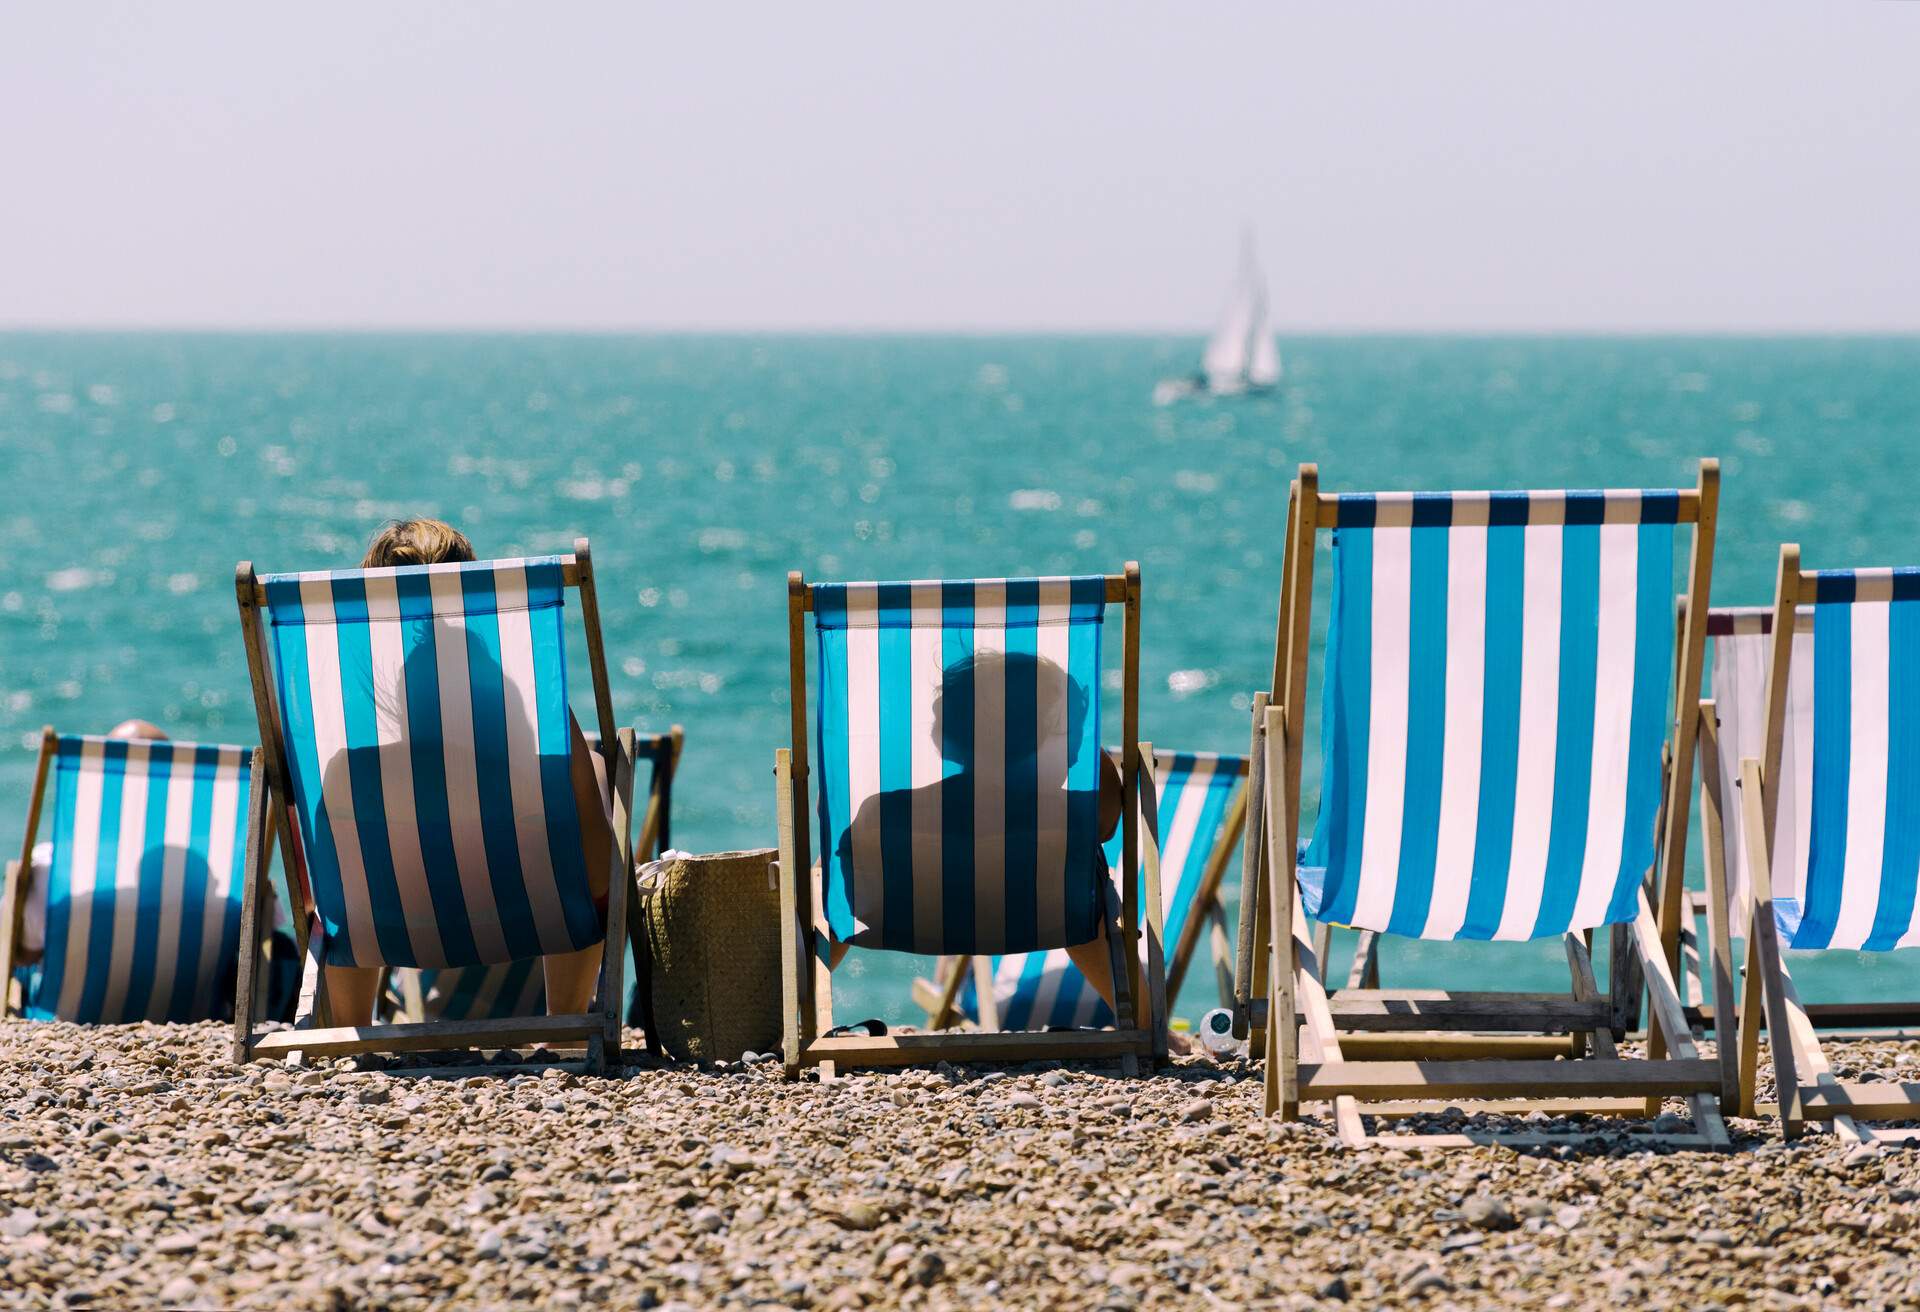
138 469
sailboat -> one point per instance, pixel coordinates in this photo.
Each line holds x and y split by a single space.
1242 357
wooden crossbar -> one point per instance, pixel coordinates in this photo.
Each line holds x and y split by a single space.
1872 1102
1388 1010
434 1036
1589 1077
1019 1045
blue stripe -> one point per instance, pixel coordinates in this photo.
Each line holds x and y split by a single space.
585 922
93 992
1018 1013
957 764
66 787
427 754
1022 765
1426 731
195 887
1573 721
1900 848
1500 725
355 644
836 787
1349 697
1085 865
296 723
492 759
895 802
148 895
1652 682
1832 762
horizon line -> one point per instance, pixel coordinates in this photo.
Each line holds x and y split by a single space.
425 329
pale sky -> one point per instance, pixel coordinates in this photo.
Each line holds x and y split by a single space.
1406 165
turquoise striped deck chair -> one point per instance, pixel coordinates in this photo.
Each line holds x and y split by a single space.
416 727
1201 810
143 902
518 988
958 801
1497 699
1842 840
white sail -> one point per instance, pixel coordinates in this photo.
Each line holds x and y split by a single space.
1241 352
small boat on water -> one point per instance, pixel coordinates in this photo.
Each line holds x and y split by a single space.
1241 358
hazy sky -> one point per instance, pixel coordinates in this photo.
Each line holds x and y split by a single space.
1416 165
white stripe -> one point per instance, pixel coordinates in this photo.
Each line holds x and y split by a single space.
463 785
88 784
868 893
176 836
1006 986
1740 702
126 880
336 780
989 762
1177 836
1798 807
523 759
1053 700
1539 730
1460 757
1612 722
1054 965
929 763
1866 776
222 835
387 639
1090 1002
1386 728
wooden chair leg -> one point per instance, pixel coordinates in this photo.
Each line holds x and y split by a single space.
252 899
795 934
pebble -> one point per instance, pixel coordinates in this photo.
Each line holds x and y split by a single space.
525 1185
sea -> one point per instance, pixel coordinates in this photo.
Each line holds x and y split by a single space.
137 469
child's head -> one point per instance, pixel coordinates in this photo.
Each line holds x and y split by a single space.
416 542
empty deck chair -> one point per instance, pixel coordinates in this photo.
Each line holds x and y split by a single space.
518 988
1498 690
417 735
1829 812
143 902
1201 811
958 789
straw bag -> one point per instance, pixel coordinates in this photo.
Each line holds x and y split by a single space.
709 973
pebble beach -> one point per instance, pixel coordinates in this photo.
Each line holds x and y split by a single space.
138 1168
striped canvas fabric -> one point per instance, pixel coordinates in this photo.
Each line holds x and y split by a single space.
425 716
519 988
1038 990
1741 649
1862 850
1496 697
958 748
144 894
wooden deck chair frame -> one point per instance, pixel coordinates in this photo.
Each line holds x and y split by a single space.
313 1034
1708 975
13 905
807 983
1805 1087
938 996
1398 1053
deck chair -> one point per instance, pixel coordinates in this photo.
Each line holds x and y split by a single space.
1498 683
959 801
1829 807
144 890
1200 813
416 732
518 988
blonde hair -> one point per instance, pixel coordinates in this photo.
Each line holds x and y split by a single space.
416 542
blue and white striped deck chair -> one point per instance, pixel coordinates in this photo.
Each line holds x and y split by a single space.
144 890
1498 691
1201 810
1844 851
518 988
417 731
959 798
